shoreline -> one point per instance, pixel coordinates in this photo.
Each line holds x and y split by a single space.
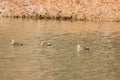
62 10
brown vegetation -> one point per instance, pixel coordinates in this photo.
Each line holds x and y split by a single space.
100 10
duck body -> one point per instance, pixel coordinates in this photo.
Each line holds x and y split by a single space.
13 43
44 43
17 44
81 48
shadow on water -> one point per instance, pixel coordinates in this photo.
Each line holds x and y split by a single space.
61 61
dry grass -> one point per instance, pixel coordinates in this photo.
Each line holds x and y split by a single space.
96 10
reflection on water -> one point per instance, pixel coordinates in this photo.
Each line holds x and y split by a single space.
60 61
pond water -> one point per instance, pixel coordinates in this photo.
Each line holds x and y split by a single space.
61 61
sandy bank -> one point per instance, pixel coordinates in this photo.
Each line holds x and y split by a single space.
94 10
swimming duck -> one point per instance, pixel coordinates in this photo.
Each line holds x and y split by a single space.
44 43
79 47
13 43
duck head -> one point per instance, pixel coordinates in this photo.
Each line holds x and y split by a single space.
12 41
78 47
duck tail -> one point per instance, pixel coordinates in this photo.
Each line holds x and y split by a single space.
21 44
49 44
87 48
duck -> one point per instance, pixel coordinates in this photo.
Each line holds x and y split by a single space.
13 43
44 43
82 48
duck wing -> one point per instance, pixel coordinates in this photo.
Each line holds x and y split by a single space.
85 48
